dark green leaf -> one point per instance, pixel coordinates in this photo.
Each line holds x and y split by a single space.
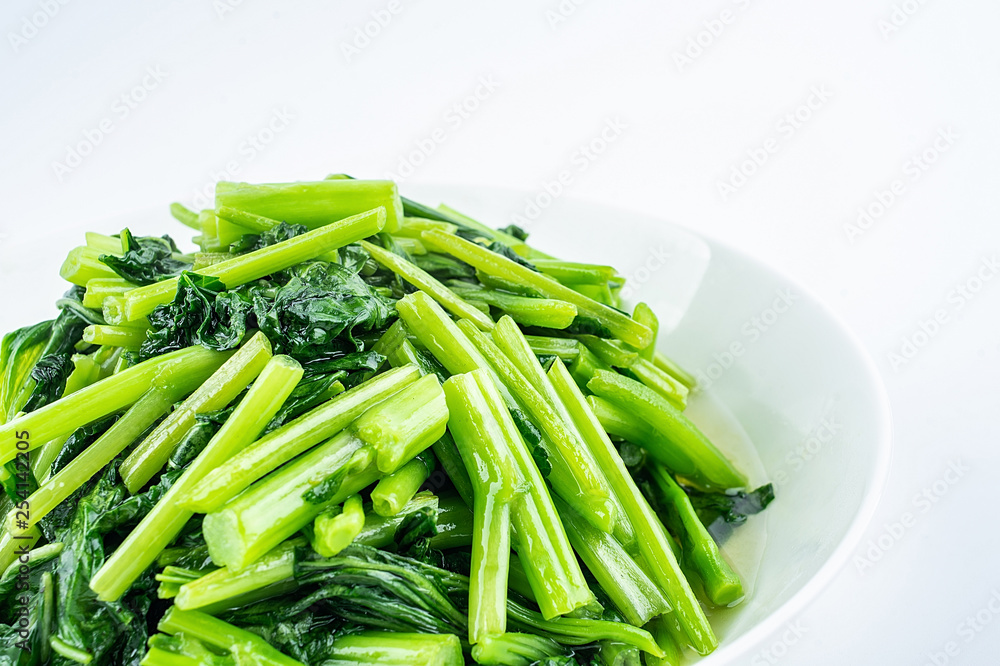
147 260
282 232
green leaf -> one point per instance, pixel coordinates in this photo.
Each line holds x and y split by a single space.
147 260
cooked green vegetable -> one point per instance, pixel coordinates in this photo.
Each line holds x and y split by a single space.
283 450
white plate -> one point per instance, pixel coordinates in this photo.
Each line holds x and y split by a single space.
778 365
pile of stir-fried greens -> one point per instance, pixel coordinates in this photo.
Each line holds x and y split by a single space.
352 429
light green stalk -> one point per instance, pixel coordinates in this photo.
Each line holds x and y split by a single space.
334 530
164 522
130 337
106 397
543 312
313 204
144 413
223 636
139 302
281 445
278 506
481 258
593 498
569 272
650 406
553 570
100 288
654 546
428 284
405 424
476 406
82 265
644 314
222 584
565 348
394 491
219 390
627 585
377 648
722 584
621 423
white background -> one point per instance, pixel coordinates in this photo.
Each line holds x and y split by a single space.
227 71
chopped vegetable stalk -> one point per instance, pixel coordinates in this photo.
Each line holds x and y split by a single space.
335 529
569 272
611 352
219 390
164 522
589 494
380 648
281 445
581 631
222 584
655 546
405 424
515 649
239 270
250 221
250 648
455 524
108 396
413 226
515 243
278 506
565 348
184 215
674 370
379 531
625 583
542 312
661 382
585 365
644 314
665 639
129 337
475 406
313 204
428 284
621 423
82 265
100 288
13 544
650 406
478 256
548 558
451 462
393 492
139 417
722 584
